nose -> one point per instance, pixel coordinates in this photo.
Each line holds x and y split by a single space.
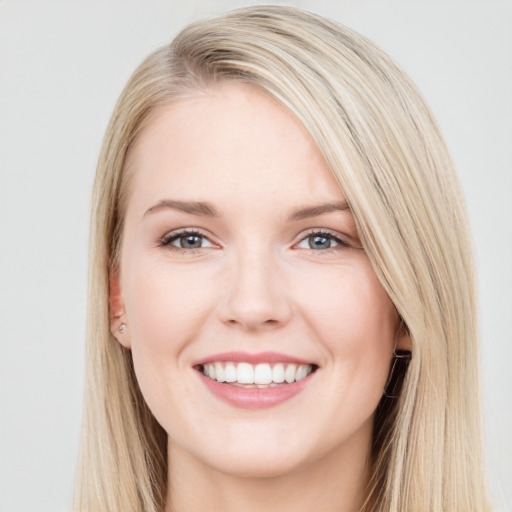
255 297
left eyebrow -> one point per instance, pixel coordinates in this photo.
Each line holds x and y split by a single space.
194 207
316 210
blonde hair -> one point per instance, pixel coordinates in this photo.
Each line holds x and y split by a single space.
385 150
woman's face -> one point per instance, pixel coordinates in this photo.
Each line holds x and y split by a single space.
240 259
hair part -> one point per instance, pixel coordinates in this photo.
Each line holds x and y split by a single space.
384 148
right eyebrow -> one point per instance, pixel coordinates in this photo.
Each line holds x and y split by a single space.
316 210
193 207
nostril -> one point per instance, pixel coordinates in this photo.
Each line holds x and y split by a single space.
252 322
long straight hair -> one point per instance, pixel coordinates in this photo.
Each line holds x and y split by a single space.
385 150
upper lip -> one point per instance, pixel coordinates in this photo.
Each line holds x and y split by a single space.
255 358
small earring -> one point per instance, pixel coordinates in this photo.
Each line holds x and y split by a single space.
122 328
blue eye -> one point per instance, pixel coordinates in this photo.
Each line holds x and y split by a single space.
320 241
186 240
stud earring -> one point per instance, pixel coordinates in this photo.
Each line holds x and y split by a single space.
122 328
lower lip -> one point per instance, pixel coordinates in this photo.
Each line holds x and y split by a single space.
254 398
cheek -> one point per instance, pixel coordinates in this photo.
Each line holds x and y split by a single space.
349 304
165 311
356 324
163 306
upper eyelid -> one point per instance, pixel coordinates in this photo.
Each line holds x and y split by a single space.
175 234
302 234
322 231
345 240
325 231
185 231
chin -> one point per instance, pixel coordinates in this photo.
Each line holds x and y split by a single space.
261 465
256 455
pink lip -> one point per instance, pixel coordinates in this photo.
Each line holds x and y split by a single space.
252 398
246 357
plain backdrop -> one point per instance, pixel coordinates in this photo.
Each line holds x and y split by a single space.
62 67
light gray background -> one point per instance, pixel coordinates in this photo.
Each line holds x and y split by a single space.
62 66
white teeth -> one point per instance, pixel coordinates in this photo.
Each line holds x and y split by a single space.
301 373
262 375
278 373
289 374
230 372
245 373
220 375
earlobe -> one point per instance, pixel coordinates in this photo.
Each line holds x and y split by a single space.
120 332
117 313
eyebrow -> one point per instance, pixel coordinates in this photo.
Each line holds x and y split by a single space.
314 211
194 207
206 209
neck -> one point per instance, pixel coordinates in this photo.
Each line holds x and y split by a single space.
332 483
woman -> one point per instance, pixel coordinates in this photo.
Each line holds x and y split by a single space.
277 229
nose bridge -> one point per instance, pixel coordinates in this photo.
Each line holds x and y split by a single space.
255 296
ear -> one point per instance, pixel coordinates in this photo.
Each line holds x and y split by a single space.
403 338
117 313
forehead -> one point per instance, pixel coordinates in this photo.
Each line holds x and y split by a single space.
229 138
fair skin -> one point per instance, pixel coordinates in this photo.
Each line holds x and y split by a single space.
261 275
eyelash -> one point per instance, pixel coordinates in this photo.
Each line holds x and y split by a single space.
166 240
341 244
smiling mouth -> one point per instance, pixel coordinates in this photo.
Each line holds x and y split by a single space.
263 375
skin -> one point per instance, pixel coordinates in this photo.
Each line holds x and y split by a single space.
254 285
